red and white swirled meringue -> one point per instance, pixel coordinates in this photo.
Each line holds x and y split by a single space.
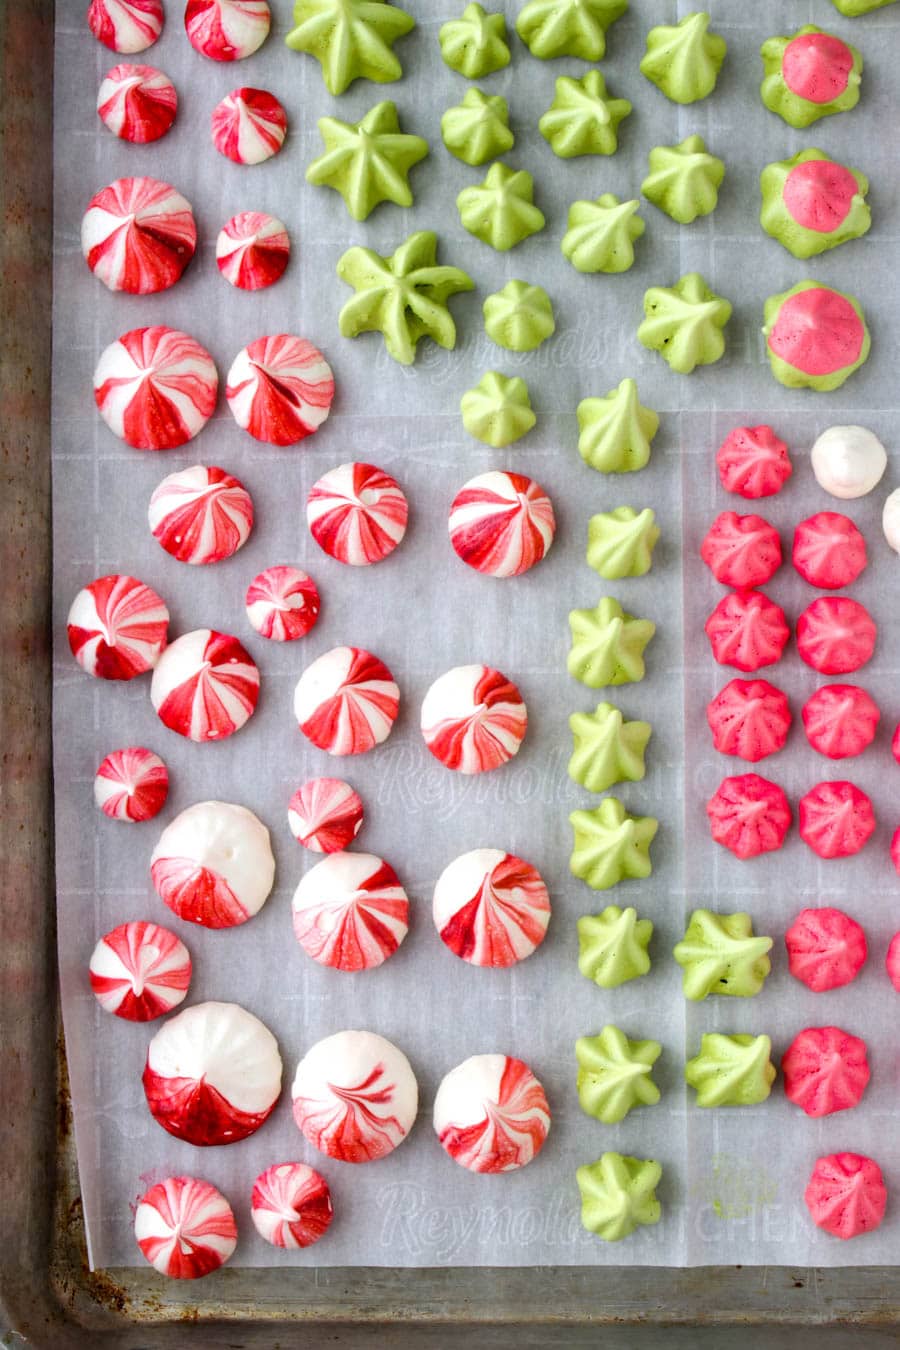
126 26
205 685
291 1205
347 701
501 523
185 1228
491 1114
213 865
248 126
325 815
213 1074
357 513
137 103
131 784
117 628
355 1096
473 719
140 971
227 30
155 387
201 515
138 235
280 389
491 908
350 911
282 603
252 250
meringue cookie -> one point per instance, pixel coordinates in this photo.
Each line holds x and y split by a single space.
131 784
491 1114
618 1194
607 645
747 630
684 180
367 162
616 431
501 210
520 317
477 129
741 551
809 75
612 946
720 954
501 523
621 542
731 1070
551 28
829 551
749 718
355 1096
753 462
825 1070
826 949
214 865
601 234
583 119
475 45
836 819
350 911
684 323
610 845
816 336
607 749
497 410
848 462
836 635
810 203
291 1205
491 908
684 61
615 1074
351 39
205 686
846 1194
185 1228
852 9
890 520
748 815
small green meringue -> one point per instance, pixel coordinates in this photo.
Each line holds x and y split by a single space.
583 119
475 44
720 954
551 28
607 645
731 1070
520 317
852 9
618 1194
616 431
684 323
498 410
810 203
684 60
615 1074
809 75
601 234
612 946
367 162
684 180
351 39
609 845
501 210
477 129
621 542
607 749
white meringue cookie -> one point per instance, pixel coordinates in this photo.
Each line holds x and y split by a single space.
848 462
890 520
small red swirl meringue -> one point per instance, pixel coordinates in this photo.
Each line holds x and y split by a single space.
117 628
252 250
131 784
249 126
140 971
291 1205
137 103
126 26
357 514
201 515
185 1228
325 815
227 30
282 603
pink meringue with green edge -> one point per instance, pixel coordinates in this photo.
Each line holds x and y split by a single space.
852 9
616 432
520 317
497 411
731 1070
606 748
684 60
720 954
684 180
477 129
475 45
610 846
684 323
501 210
583 119
621 542
816 336
618 1195
811 203
601 234
612 946
551 28
809 75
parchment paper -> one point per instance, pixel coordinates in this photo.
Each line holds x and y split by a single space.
733 1179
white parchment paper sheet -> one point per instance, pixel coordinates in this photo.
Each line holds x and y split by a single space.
733 1180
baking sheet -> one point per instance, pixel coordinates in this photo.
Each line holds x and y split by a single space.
733 1180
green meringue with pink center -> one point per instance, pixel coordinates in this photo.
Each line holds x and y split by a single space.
811 203
809 75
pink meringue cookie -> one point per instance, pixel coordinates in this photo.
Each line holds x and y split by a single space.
282 603
248 126
491 908
826 949
117 628
741 551
137 103
753 462
126 26
836 819
131 784
227 30
138 235
291 1205
825 1070
185 1228
840 720
829 551
892 960
895 850
213 865
836 635
846 1194
205 686
201 515
325 815
140 971
749 718
473 719
355 1096
747 630
749 815
280 389
816 66
155 387
501 523
357 514
213 1074
895 743
491 1114
350 911
252 250
347 701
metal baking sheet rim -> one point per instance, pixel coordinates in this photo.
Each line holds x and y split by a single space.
47 1296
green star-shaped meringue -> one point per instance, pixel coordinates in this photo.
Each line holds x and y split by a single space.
351 39
793 108
719 954
618 1194
475 44
520 317
616 430
601 234
684 180
614 1074
610 846
612 946
621 542
403 296
607 645
551 28
852 9
368 161
498 410
583 119
684 323
731 1070
477 129
830 197
501 211
684 60
607 749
